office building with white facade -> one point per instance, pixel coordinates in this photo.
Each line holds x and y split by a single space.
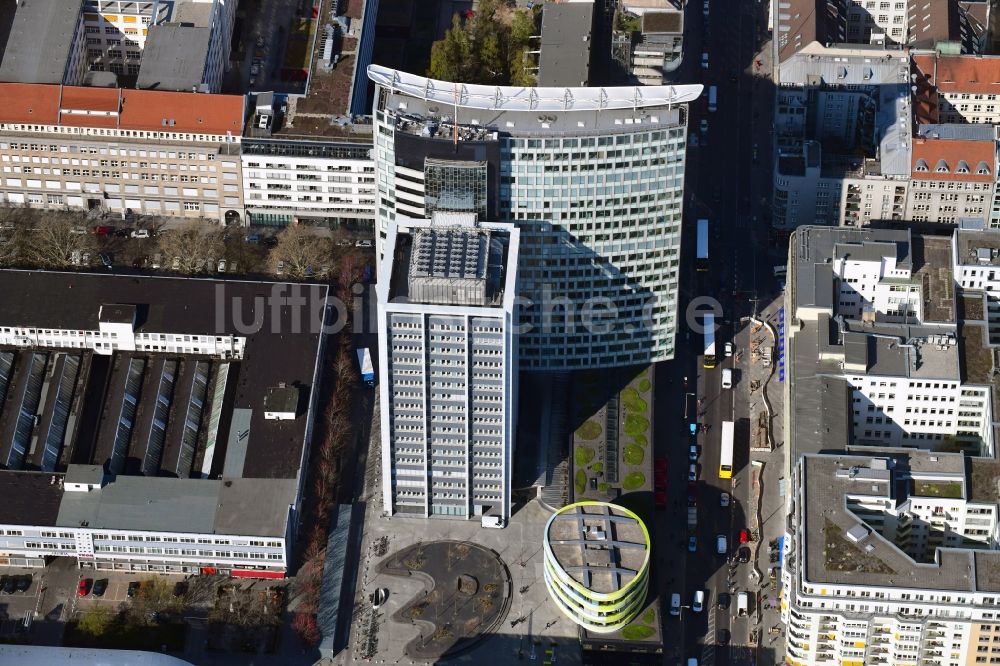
448 366
140 423
304 177
892 559
592 177
117 150
892 541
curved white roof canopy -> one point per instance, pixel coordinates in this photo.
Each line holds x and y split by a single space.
513 98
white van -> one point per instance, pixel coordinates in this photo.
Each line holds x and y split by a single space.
496 522
743 604
675 604
727 378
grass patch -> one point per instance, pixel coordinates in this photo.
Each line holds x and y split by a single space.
597 467
582 455
839 554
641 440
645 385
948 489
632 402
634 481
589 430
604 487
637 632
648 616
580 481
128 637
634 455
636 425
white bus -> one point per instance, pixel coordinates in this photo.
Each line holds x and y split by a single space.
713 94
726 451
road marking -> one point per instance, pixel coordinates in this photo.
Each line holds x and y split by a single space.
708 648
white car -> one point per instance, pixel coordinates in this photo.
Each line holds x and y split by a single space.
693 453
724 500
729 349
222 266
704 61
693 472
140 233
721 547
699 601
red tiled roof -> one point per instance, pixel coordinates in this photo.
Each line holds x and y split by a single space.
960 73
89 99
950 152
191 112
29 103
140 110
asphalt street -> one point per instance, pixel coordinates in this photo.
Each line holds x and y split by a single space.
729 183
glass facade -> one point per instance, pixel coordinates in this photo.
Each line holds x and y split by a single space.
455 187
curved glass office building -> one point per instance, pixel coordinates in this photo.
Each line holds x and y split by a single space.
597 564
592 177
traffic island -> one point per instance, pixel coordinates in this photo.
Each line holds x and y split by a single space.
466 596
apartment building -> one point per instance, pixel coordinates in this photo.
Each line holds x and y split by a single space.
448 366
177 45
890 560
975 255
141 418
158 153
874 348
842 137
956 88
592 177
305 178
953 173
876 21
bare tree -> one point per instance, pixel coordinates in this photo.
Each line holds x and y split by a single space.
301 253
155 596
193 247
51 240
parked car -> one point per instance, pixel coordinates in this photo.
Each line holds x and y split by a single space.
222 266
744 536
133 587
721 545
704 61
698 603
744 554
693 472
270 241
692 544
729 349
106 260
253 238
177 264
100 587
693 453
345 242
365 243
123 233
83 589
140 233
724 500
280 269
102 230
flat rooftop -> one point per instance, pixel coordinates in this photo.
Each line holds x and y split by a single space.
40 40
174 57
600 545
240 507
978 248
213 408
832 555
565 44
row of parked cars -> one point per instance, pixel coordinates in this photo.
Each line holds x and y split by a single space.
15 584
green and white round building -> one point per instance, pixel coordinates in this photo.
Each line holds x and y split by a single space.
597 564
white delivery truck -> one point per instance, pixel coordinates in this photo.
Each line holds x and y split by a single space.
743 604
727 378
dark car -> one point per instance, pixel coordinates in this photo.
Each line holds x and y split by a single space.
723 637
8 585
744 554
180 588
106 259
23 583
269 241
722 601
133 587
100 587
123 233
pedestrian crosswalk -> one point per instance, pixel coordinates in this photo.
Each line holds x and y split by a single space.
708 649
